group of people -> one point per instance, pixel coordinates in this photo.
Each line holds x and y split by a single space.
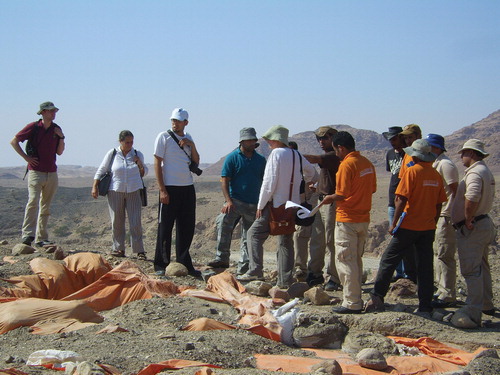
431 212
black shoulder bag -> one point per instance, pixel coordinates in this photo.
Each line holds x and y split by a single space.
144 190
105 179
193 167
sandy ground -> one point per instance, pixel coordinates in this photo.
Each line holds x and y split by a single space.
154 326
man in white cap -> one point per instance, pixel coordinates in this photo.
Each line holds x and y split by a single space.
174 151
241 178
45 141
474 228
278 184
445 243
419 195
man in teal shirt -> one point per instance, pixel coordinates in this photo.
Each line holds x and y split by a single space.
241 179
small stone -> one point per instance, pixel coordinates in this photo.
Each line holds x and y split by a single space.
371 358
297 290
20 248
436 315
467 317
4 242
492 353
87 368
258 288
277 293
327 367
10 359
176 269
59 254
317 296
214 311
189 346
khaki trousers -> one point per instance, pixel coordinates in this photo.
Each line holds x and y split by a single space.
473 248
445 264
350 241
42 187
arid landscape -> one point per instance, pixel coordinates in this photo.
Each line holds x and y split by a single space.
153 327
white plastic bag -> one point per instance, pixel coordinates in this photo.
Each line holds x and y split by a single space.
286 316
53 358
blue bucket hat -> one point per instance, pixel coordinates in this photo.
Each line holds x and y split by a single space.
436 140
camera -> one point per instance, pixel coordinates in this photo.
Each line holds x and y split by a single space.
193 167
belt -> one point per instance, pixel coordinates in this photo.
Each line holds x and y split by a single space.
460 224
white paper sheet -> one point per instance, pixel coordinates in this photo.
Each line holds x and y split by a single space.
302 211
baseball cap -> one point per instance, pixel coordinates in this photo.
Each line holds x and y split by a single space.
179 114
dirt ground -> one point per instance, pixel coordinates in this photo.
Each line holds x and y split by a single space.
154 326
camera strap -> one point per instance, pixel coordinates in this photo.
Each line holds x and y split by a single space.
178 143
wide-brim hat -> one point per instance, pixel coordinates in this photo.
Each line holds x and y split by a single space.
49 106
393 131
476 145
421 149
436 140
277 133
248 134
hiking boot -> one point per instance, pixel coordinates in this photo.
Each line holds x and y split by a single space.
345 310
28 240
490 312
442 304
332 286
300 275
218 264
374 304
313 280
44 243
195 273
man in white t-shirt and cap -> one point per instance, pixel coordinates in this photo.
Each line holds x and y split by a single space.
174 152
474 227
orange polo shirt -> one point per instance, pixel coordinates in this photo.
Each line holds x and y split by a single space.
422 185
356 181
404 165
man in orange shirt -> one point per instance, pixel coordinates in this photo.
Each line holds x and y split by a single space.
355 183
419 196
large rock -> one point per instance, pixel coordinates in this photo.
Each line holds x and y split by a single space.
371 358
317 296
21 248
484 366
277 293
467 317
402 288
355 341
176 269
316 331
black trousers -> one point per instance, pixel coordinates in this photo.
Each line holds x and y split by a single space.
182 211
404 241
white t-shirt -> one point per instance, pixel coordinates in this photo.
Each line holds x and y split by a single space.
175 163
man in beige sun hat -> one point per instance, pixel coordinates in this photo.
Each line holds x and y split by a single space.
474 227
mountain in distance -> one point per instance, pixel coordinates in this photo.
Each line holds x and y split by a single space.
374 146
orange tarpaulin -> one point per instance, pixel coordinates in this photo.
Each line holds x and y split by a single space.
438 358
255 310
173 364
26 312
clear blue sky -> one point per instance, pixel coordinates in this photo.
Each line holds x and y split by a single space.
114 65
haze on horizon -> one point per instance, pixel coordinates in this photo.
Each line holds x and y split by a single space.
118 65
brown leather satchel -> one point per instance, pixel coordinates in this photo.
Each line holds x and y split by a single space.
282 220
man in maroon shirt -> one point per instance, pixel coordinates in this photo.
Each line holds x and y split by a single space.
45 139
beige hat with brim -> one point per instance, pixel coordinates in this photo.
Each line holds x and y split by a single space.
476 145
49 106
277 133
